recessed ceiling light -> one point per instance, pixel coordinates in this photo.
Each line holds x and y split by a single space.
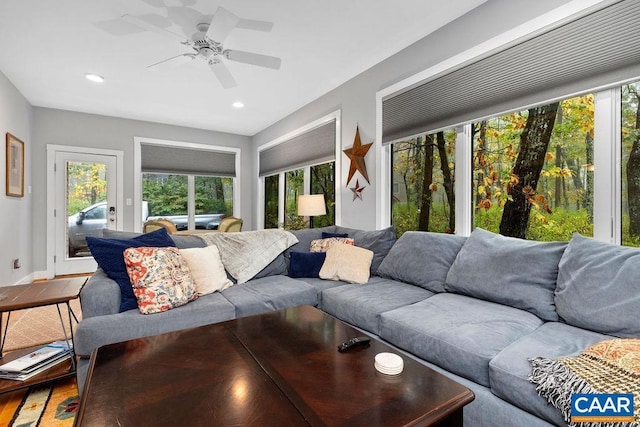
94 78
237 104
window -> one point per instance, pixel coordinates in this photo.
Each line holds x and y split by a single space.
168 196
271 194
298 163
533 171
630 123
422 179
316 179
293 187
323 178
561 160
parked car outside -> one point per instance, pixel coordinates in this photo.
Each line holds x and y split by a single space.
93 219
88 222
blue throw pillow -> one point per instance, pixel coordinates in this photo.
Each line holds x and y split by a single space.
108 253
306 264
326 235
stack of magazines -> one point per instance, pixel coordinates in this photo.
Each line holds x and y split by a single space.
37 361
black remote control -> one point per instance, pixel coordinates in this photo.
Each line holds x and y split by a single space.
354 342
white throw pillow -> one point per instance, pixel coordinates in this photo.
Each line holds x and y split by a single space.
347 263
206 269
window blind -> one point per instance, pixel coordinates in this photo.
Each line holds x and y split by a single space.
314 146
189 161
595 51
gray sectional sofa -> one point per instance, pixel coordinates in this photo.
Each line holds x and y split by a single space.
475 309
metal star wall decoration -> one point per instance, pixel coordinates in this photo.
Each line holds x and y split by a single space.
356 154
357 191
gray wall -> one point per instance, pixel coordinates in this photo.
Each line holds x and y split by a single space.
60 127
357 97
15 213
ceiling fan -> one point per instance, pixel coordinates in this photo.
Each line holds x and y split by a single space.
206 43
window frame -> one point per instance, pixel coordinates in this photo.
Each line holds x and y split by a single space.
260 211
607 205
137 175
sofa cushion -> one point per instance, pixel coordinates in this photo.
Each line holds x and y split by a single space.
97 331
459 333
422 258
346 263
268 294
206 269
598 287
509 370
306 264
514 272
108 253
320 285
377 241
362 305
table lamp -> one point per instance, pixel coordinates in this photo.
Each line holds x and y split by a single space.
311 205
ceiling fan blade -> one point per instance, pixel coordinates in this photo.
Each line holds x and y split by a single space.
222 73
250 24
253 59
172 62
154 23
222 24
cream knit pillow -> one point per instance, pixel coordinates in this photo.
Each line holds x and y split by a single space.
206 269
347 263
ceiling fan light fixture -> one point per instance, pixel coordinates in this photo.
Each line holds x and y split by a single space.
94 77
238 104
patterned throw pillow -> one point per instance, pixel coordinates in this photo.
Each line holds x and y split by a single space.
323 245
160 278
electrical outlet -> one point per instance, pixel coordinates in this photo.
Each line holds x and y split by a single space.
16 263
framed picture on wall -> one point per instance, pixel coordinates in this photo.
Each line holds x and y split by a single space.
15 166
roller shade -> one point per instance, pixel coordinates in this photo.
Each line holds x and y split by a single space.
594 51
314 146
164 159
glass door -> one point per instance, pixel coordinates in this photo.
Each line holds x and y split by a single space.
85 205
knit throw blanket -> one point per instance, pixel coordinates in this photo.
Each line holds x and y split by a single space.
246 253
611 366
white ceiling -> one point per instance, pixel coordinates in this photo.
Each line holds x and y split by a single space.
47 46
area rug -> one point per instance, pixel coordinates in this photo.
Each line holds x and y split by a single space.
48 406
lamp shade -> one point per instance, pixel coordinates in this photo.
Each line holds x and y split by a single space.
311 205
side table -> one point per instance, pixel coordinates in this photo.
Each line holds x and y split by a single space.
50 292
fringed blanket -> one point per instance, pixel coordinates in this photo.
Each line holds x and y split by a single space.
611 366
246 253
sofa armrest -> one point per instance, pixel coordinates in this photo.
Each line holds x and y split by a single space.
100 296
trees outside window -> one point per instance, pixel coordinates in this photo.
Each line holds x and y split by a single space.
533 171
422 179
293 187
630 121
271 184
323 182
167 194
315 179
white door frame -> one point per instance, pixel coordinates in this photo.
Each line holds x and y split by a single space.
52 150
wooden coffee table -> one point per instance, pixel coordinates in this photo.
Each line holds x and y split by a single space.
280 368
